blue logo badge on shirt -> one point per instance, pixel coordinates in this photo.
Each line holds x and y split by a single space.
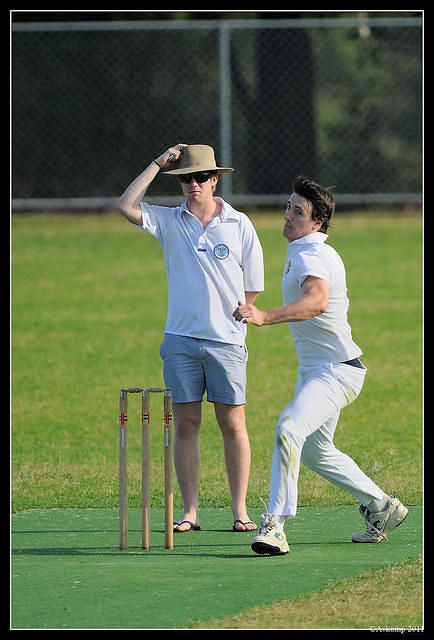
221 251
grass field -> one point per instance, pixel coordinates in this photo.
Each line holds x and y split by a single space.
88 312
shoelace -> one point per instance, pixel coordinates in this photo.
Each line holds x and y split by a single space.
372 527
267 524
393 496
263 502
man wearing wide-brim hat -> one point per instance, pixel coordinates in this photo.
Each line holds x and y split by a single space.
213 260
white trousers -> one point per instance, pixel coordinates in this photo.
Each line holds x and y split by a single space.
305 432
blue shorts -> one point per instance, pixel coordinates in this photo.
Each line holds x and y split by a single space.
192 365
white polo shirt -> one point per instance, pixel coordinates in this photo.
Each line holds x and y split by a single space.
208 270
325 338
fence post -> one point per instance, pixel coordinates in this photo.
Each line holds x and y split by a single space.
225 107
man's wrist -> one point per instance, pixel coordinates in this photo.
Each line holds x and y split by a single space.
158 165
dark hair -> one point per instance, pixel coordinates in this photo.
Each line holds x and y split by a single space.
323 204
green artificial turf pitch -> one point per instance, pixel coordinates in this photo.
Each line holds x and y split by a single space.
67 571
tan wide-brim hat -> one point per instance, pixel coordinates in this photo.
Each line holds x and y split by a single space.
197 157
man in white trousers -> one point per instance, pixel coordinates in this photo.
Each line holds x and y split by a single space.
330 375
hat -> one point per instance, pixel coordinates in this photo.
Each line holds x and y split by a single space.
197 157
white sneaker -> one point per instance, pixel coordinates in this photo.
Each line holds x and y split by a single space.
381 523
271 539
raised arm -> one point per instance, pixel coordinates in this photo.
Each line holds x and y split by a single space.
129 202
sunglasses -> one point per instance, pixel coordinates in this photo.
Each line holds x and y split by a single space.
200 176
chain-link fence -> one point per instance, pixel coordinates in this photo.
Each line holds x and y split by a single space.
337 100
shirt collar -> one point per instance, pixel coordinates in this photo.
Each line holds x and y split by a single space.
312 238
227 212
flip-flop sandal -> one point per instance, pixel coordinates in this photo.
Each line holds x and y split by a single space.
193 527
234 528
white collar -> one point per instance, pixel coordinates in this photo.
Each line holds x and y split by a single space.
227 211
311 238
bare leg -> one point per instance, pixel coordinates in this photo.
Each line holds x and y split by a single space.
188 418
232 422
